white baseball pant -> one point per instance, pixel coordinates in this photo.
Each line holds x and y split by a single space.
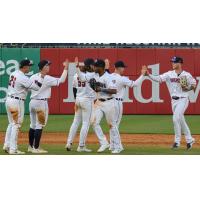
83 113
179 107
107 108
119 112
39 112
15 113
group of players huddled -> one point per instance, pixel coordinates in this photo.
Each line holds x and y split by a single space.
97 93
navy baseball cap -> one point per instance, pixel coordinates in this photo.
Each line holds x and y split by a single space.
176 59
120 64
88 62
43 63
26 62
100 63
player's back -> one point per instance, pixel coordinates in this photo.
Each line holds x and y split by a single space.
18 84
83 88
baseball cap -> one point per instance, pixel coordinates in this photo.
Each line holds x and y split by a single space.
120 64
43 63
26 62
100 63
88 62
177 59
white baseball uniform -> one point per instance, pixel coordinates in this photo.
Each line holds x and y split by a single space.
121 83
19 84
180 105
105 105
85 97
38 105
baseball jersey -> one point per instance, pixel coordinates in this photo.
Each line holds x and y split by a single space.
19 84
47 82
173 80
83 88
122 82
105 79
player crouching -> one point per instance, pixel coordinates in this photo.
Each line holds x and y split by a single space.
38 105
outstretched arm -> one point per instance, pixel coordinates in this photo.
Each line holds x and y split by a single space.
64 74
138 81
131 83
159 78
106 90
155 78
31 84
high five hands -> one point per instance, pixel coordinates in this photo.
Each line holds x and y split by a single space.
144 70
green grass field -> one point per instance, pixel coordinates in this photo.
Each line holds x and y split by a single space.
129 150
161 124
131 124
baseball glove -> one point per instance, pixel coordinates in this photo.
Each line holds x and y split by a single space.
96 85
93 84
183 81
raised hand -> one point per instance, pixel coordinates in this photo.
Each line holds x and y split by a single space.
144 70
76 61
107 62
66 64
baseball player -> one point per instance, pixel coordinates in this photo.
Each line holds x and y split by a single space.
105 105
85 96
18 87
179 84
38 105
121 83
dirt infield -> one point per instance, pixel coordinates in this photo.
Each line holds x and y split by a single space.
134 139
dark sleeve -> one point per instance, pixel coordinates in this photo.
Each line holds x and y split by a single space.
74 91
107 70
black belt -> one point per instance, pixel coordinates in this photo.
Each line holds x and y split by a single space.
16 98
45 99
177 98
119 99
105 99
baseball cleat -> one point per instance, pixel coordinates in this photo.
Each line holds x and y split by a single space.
42 150
38 151
68 147
103 148
17 152
117 151
175 146
83 149
30 149
6 149
189 145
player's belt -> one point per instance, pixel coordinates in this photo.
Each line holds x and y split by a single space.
105 99
13 97
119 99
45 99
177 98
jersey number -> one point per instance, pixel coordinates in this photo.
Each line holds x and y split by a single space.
12 81
81 84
